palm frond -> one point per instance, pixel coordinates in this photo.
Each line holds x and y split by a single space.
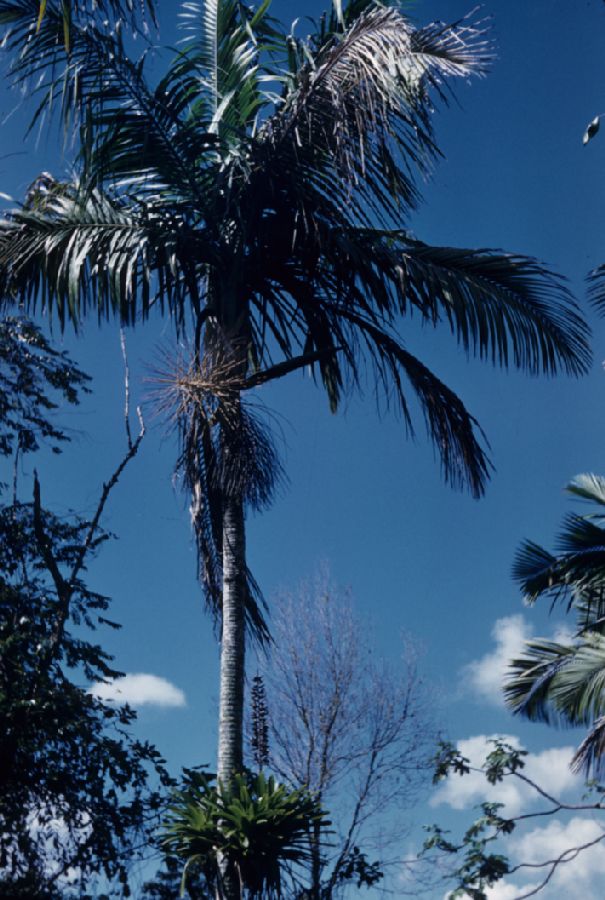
537 572
145 136
580 534
528 687
576 574
589 758
501 306
450 426
361 105
47 50
596 288
128 130
77 249
589 606
222 50
333 24
564 684
561 683
589 487
578 692
460 49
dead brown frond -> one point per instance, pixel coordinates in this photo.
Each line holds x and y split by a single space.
226 451
182 381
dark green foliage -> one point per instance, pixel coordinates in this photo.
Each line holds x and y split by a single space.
257 824
479 859
78 795
34 378
482 865
74 785
27 18
357 869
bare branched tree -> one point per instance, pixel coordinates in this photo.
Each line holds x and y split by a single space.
353 729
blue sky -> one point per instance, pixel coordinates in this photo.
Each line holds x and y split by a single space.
420 558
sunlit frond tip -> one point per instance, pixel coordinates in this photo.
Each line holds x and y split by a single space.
462 48
596 288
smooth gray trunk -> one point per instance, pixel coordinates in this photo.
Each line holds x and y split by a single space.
230 734
231 709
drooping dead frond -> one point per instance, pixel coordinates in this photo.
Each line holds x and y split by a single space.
226 450
183 382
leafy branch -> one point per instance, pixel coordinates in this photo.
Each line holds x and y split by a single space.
483 865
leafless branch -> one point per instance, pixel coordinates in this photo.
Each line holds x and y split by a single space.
565 857
65 586
556 806
126 388
343 723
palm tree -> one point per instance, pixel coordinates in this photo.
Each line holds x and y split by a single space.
260 193
564 682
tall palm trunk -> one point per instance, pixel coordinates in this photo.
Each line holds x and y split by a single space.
233 648
230 739
230 757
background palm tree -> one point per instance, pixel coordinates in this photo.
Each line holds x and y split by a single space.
563 683
260 193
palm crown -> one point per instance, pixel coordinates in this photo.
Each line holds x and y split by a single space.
263 187
260 192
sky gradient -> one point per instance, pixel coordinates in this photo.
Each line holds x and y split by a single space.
421 559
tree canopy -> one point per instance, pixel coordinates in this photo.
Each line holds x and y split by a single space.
79 795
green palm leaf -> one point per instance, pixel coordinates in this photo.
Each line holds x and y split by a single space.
576 574
528 687
48 50
72 250
258 824
579 690
564 683
589 756
500 306
596 288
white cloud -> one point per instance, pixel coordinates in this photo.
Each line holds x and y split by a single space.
549 769
485 676
577 879
139 689
505 891
554 839
582 876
